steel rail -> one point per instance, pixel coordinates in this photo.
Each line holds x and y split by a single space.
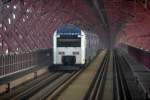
49 89
100 91
96 89
63 86
116 95
121 86
25 86
32 90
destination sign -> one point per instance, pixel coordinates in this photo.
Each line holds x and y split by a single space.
68 30
68 34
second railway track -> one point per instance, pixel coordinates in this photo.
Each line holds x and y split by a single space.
42 87
96 90
64 80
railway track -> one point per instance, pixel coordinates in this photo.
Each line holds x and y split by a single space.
24 92
53 89
96 89
125 82
120 87
14 92
42 87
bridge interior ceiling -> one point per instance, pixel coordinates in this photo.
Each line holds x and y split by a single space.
30 24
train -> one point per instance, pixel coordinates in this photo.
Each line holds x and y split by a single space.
73 47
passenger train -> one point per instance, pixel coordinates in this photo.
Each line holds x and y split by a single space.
73 47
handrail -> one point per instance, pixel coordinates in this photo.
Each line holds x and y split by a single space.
10 63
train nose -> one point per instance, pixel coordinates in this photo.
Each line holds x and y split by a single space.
69 60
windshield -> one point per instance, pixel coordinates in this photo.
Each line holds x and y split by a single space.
68 42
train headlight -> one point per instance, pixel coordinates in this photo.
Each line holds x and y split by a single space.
75 53
79 35
61 53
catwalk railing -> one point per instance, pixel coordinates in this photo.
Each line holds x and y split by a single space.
16 62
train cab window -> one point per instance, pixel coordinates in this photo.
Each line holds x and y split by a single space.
69 41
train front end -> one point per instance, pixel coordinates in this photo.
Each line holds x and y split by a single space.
69 47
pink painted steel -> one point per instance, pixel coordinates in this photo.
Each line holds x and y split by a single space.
137 29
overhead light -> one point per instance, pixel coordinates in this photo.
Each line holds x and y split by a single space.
27 16
14 16
5 28
15 7
28 10
23 20
0 25
6 51
7 6
9 21
20 36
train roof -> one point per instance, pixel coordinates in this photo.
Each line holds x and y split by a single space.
68 29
